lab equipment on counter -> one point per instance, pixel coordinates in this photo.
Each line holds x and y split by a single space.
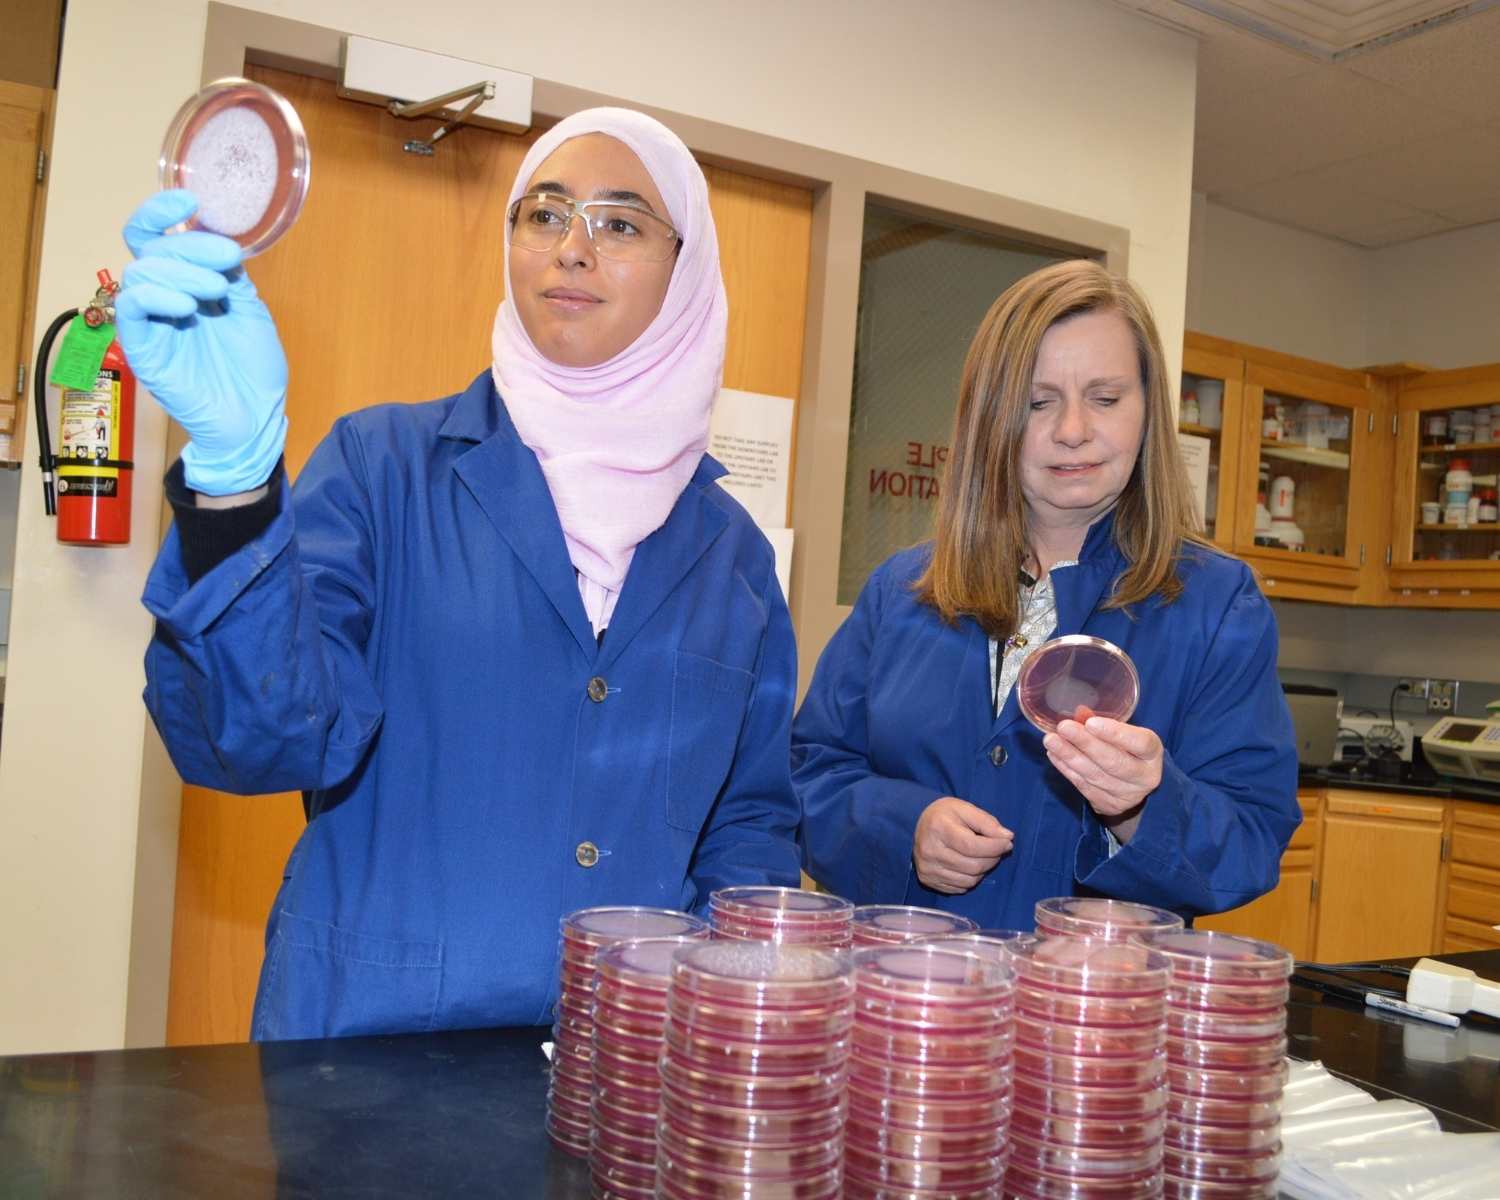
1451 989
1464 747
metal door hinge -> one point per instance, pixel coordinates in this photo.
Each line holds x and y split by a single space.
1443 853
1387 556
1394 419
1371 427
1312 894
41 165
20 382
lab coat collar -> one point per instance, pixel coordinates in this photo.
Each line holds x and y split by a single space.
503 475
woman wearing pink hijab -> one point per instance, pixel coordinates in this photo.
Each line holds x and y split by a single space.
519 651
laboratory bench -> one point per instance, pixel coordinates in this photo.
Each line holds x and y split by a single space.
459 1114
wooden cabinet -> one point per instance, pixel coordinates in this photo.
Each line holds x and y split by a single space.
1216 381
1309 500
1380 876
23 128
1286 916
1472 911
1445 420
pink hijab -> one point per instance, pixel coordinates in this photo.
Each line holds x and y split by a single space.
618 442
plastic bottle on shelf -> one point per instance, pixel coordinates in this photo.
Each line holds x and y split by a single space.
1189 414
1459 482
1461 426
1270 423
1434 428
1489 509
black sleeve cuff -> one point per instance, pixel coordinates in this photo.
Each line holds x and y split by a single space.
210 535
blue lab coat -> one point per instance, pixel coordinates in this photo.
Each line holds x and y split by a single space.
899 714
406 643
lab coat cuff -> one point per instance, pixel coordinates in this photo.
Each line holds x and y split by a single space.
1142 866
186 607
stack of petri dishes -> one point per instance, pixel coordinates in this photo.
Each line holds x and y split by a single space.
778 914
1090 1070
630 1016
584 933
1226 1063
1113 920
929 1074
894 924
753 1073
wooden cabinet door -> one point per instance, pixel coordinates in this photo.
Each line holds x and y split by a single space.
23 113
1472 912
386 291
1284 915
1202 363
1380 876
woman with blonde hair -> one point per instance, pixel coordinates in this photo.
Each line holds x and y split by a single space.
1064 510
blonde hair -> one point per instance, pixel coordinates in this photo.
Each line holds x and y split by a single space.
980 539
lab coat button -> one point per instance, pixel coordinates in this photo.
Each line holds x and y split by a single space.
598 689
998 755
587 854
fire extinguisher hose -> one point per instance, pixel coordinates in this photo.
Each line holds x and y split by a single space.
39 390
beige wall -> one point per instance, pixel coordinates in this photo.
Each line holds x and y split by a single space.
981 92
1437 300
1253 281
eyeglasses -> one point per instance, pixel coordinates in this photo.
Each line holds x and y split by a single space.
623 232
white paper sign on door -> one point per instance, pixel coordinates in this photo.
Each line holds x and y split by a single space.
1195 455
751 434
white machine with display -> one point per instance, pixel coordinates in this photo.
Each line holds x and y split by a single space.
1464 747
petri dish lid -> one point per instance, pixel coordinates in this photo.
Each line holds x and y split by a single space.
780 904
240 148
642 962
921 969
1211 957
765 973
1091 916
1091 964
903 922
601 926
1077 670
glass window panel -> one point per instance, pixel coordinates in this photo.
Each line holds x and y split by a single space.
924 286
1304 475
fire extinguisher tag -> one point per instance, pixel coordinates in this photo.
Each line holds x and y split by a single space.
82 354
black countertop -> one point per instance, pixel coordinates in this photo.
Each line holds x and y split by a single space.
1442 789
461 1114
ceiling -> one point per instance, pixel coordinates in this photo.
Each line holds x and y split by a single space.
1373 122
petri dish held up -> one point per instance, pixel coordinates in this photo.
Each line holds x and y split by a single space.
1077 671
240 148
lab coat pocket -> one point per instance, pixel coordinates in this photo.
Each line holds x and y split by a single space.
324 981
708 710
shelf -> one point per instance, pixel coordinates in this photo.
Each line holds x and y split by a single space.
1466 448
1338 460
1207 431
1486 527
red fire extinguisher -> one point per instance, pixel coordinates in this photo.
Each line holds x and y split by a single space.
93 471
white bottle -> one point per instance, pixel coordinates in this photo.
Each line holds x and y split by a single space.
1283 496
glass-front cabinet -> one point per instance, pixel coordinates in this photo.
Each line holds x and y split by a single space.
1446 524
1304 510
1210 404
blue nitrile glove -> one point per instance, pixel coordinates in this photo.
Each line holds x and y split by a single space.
201 341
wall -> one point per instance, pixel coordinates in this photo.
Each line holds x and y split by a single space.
967 90
1437 300
1253 281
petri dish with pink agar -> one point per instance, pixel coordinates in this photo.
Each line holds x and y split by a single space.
241 149
1077 671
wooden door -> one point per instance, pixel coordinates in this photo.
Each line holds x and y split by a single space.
1284 915
1472 912
386 291
1200 362
23 113
1381 876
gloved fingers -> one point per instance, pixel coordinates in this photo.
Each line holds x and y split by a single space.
157 215
148 300
210 250
200 283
